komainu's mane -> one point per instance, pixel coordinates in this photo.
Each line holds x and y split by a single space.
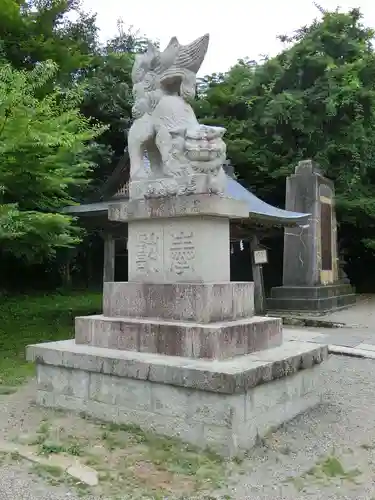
175 59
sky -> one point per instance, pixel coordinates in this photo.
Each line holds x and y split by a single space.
237 28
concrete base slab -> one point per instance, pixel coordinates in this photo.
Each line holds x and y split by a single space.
225 405
218 340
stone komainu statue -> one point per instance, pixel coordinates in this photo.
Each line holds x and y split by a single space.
165 127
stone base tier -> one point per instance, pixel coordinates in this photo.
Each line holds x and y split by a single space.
219 340
314 299
224 405
198 302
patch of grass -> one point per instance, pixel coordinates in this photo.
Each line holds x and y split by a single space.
49 470
8 457
6 391
297 481
56 476
74 449
130 460
331 467
47 444
47 447
169 454
33 319
44 427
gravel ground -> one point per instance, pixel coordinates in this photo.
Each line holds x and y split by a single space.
326 454
342 427
17 482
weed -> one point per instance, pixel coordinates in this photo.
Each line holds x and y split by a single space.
44 427
52 474
74 449
52 470
331 467
166 453
297 481
14 455
49 447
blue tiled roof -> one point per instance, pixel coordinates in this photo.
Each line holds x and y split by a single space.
260 212
262 209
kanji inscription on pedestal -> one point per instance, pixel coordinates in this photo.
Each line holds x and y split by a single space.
148 252
182 252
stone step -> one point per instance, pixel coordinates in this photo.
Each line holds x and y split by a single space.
311 292
294 304
218 340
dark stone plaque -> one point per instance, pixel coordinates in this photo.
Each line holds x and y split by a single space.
326 235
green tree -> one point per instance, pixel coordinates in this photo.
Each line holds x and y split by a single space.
32 31
45 155
316 100
59 30
109 98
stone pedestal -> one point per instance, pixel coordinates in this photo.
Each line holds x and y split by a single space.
179 300
178 348
311 279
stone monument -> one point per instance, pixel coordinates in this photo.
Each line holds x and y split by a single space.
178 349
312 279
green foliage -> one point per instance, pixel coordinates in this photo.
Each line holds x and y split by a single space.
67 84
58 30
314 100
44 153
38 30
109 98
33 319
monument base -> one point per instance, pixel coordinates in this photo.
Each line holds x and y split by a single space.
224 405
315 299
